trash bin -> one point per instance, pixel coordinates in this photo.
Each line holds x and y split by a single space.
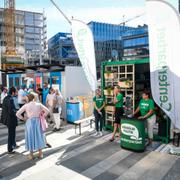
133 134
73 111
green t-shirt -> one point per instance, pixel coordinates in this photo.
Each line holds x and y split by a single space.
119 98
145 106
99 101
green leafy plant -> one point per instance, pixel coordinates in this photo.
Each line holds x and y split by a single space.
128 83
108 72
109 89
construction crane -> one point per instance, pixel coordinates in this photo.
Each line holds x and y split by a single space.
131 19
9 21
12 58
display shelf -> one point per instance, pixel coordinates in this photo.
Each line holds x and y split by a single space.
111 120
122 71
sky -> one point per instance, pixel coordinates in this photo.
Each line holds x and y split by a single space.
109 11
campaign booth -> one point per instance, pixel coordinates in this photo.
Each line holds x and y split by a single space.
133 77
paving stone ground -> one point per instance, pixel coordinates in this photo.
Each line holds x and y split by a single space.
84 157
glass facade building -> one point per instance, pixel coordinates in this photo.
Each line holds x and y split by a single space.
61 49
112 42
30 34
135 43
107 40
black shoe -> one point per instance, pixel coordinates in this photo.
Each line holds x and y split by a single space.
111 140
48 145
11 152
55 129
16 147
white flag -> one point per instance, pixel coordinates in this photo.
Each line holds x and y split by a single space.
84 44
164 39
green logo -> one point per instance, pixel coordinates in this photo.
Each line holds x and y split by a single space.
162 68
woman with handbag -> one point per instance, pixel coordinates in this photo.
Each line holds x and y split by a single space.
57 110
34 135
51 103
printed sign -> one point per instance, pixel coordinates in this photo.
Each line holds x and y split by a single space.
84 44
131 131
164 38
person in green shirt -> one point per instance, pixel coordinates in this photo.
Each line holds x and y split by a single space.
147 110
118 102
99 104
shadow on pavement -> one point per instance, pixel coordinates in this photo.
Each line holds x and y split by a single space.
14 164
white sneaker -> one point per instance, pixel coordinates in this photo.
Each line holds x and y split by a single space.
100 133
96 134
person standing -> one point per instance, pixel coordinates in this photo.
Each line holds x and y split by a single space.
22 95
118 102
31 91
36 99
34 135
51 103
15 98
147 110
4 94
99 105
39 91
58 110
9 119
45 93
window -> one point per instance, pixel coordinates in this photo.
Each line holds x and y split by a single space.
11 82
37 30
38 23
29 29
38 17
29 20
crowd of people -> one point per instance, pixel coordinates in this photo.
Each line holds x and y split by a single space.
38 106
35 107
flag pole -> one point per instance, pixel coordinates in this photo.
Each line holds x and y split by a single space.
61 11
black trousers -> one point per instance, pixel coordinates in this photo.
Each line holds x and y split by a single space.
98 119
11 138
21 105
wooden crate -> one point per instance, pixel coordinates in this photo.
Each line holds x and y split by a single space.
108 93
108 75
124 84
110 108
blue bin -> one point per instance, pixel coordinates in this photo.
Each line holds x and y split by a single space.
73 111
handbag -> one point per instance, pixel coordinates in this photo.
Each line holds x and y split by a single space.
43 122
56 110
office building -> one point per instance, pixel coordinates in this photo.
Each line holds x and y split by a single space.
135 43
61 49
107 40
30 36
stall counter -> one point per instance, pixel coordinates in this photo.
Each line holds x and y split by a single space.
133 134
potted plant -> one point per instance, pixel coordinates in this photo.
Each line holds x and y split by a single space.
109 91
125 83
108 75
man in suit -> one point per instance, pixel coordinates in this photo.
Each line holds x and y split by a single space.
9 119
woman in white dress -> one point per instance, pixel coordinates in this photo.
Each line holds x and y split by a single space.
51 103
58 110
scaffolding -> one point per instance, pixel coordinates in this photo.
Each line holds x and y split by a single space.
9 20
